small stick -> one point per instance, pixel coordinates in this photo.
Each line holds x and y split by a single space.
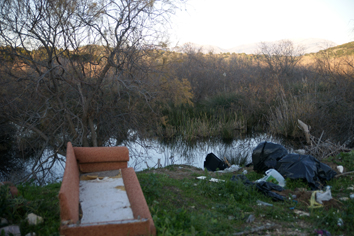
227 162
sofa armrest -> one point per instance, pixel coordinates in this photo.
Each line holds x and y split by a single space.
69 190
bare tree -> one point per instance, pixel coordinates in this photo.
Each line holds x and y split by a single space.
76 70
282 57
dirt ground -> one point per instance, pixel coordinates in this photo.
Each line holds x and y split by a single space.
260 225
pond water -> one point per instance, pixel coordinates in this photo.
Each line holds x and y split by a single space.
148 153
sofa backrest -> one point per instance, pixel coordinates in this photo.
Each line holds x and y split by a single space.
93 159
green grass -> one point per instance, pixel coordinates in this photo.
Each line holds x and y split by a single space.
40 200
197 207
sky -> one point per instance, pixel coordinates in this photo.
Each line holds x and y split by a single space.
231 23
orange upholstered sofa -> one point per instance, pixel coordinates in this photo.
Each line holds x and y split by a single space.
94 159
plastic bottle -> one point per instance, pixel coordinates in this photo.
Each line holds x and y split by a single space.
276 175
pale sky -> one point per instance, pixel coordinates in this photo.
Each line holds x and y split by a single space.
230 23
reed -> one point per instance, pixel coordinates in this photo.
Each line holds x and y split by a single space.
282 119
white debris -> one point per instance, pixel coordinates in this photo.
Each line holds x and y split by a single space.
104 200
232 168
33 219
10 230
211 179
340 169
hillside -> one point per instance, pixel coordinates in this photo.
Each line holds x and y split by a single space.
341 50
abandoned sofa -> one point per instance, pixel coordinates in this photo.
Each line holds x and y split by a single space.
80 160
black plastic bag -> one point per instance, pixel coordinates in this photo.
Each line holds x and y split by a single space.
212 163
267 187
266 155
295 166
263 187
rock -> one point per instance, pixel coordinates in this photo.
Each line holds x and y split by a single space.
33 219
11 230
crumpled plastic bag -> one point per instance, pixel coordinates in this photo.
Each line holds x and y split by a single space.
295 166
232 168
323 196
266 155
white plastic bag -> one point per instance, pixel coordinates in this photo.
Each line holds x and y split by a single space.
323 196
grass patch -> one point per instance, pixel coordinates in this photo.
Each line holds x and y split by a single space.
198 207
182 205
40 200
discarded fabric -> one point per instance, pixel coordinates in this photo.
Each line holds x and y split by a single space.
263 187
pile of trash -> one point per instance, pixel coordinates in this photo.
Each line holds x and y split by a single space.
277 164
269 155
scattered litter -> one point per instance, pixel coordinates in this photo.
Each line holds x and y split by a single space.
321 232
340 222
301 213
213 163
323 196
300 151
313 202
352 196
340 169
307 167
244 172
260 203
350 188
269 155
33 219
344 198
273 176
232 168
250 219
266 156
292 208
231 217
10 230
264 187
211 179
31 234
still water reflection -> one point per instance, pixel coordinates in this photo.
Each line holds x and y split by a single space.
147 153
